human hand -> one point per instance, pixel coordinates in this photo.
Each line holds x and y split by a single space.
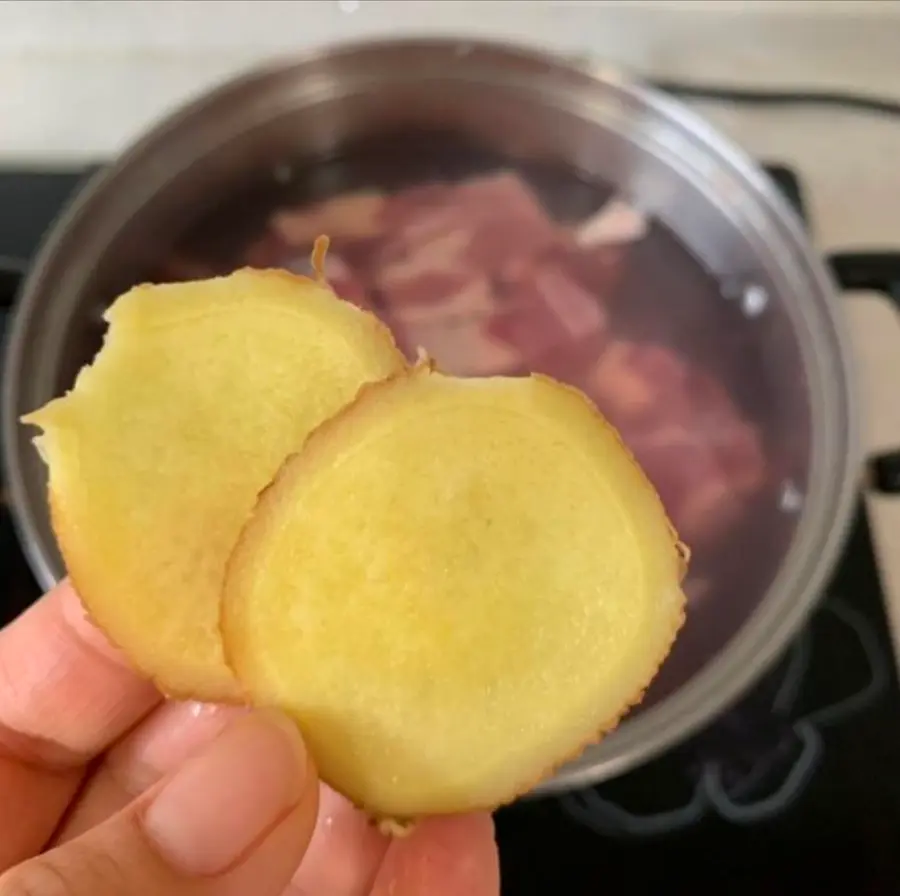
105 788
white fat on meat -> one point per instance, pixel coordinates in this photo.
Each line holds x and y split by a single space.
617 222
476 299
442 253
578 310
354 216
463 348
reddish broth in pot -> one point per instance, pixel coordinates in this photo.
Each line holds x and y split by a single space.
479 275
495 268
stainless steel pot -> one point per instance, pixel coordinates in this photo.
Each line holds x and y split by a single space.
247 134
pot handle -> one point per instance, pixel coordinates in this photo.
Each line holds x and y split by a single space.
875 272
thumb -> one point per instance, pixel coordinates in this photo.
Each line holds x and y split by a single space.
234 819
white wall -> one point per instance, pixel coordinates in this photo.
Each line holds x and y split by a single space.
80 78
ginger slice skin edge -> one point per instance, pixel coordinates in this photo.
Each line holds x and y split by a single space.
453 587
157 454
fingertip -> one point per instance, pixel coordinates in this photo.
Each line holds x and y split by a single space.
444 856
345 852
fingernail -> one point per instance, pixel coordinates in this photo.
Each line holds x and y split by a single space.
223 801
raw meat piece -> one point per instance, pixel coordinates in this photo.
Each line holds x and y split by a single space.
452 298
544 308
402 207
570 362
639 385
597 255
683 428
431 274
510 223
702 499
452 243
353 216
462 347
575 310
485 225
598 269
453 329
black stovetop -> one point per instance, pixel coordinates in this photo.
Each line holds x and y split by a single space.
796 786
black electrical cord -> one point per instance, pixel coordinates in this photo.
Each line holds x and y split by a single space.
763 97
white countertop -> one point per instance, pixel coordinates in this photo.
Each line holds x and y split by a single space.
79 79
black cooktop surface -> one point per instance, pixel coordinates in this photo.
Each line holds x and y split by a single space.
797 786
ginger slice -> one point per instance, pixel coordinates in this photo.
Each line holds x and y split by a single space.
157 454
453 587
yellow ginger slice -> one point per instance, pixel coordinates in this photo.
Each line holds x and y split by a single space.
453 587
157 454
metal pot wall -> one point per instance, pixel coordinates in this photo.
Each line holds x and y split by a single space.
234 142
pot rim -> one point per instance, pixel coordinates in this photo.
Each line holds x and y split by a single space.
823 525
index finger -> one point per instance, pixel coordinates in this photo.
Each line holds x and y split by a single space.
65 696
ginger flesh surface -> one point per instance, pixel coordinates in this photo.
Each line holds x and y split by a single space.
452 588
157 454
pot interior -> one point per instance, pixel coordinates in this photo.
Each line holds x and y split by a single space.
503 234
